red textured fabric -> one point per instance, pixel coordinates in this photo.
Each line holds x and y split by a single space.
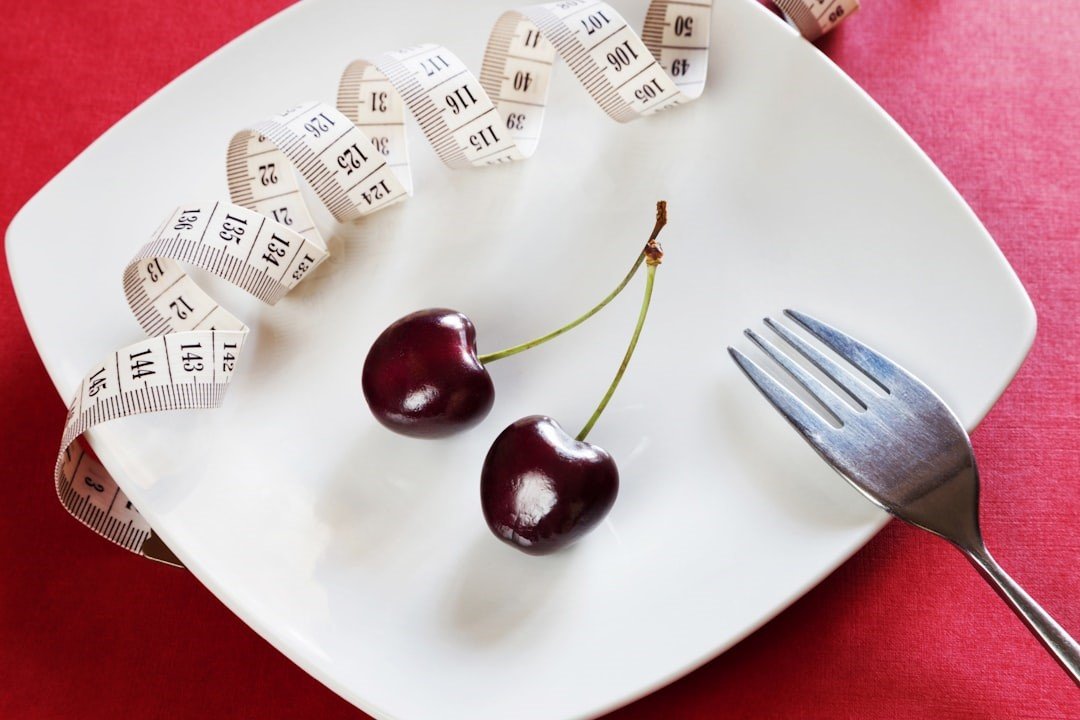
906 629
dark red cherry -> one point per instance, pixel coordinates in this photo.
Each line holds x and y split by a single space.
422 378
541 489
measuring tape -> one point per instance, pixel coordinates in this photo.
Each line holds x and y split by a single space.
355 158
814 18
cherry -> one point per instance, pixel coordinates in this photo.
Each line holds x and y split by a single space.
541 489
422 377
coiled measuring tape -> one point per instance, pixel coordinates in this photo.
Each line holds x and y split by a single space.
355 158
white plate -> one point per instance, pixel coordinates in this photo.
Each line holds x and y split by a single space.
363 555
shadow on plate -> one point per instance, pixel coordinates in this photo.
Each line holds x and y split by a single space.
498 589
817 495
383 495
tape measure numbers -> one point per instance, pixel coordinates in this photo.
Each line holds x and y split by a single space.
814 18
194 344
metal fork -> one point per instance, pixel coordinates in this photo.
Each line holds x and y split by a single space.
900 446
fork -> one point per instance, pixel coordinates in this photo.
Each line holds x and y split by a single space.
898 443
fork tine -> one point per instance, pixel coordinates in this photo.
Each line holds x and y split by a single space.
853 386
875 365
809 424
836 407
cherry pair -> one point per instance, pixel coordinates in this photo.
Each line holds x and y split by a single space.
540 489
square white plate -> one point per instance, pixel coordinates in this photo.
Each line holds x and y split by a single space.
363 555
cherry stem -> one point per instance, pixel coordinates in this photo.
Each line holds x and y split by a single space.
653 255
661 220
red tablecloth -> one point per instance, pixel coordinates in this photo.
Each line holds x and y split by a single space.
906 629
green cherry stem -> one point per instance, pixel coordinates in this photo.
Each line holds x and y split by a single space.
661 220
653 256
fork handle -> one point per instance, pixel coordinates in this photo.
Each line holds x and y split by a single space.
1063 647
